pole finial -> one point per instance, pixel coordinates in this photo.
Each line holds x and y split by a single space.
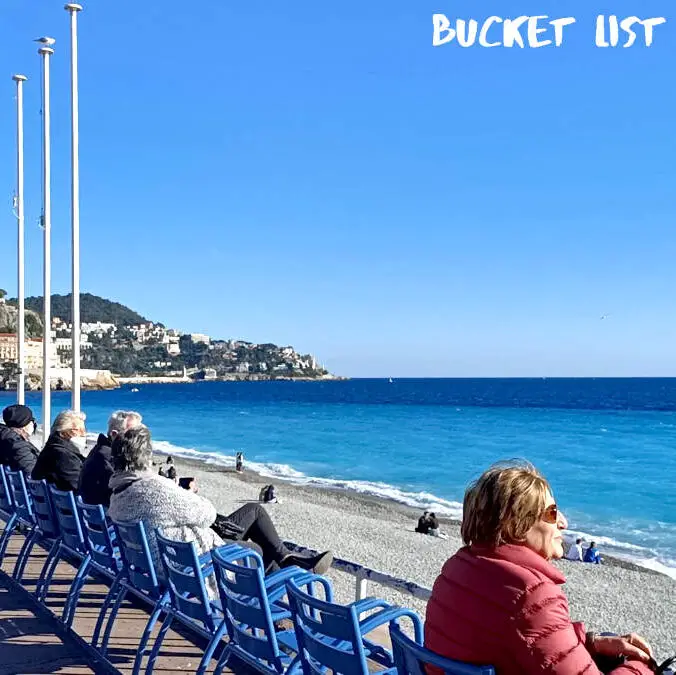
73 7
19 78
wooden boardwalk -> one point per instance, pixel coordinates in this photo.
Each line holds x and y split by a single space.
33 641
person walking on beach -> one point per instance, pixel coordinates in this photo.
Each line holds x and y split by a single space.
239 462
592 555
61 460
98 467
574 551
16 451
139 494
498 600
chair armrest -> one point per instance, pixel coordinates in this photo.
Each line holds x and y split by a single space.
366 604
390 614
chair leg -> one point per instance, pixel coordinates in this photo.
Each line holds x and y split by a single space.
24 554
140 653
110 598
223 661
75 589
48 570
111 619
168 619
211 648
6 534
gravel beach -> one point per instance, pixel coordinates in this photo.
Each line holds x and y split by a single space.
617 596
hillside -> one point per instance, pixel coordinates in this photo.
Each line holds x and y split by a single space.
92 309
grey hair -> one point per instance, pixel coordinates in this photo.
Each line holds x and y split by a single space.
65 421
133 450
122 420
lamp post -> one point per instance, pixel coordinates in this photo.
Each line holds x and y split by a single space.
46 52
73 9
20 322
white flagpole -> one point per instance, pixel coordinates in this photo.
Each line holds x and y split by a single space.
73 9
20 322
46 53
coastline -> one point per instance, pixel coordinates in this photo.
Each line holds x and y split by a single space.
379 533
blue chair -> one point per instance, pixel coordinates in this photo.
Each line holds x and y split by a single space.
106 560
71 542
334 636
252 604
139 577
23 507
410 658
186 575
7 512
46 529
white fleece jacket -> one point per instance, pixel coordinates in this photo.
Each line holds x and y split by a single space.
180 514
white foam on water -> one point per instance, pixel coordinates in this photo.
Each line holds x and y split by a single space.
427 501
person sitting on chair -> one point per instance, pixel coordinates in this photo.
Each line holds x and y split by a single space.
16 451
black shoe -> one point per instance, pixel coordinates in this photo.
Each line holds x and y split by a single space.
319 564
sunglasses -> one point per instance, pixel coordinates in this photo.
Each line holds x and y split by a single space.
551 514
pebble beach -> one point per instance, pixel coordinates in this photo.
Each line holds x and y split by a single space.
616 596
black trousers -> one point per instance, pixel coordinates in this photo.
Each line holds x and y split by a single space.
256 528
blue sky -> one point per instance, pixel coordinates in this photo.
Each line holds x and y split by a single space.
320 175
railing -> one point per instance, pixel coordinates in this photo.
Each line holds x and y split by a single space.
364 574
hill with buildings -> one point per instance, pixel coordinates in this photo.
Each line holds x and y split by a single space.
115 338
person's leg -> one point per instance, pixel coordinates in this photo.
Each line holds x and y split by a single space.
259 528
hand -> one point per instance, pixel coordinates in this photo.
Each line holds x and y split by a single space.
632 646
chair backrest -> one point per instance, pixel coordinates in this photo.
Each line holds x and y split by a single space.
410 658
68 517
6 503
186 579
99 535
136 558
241 585
328 634
23 504
42 508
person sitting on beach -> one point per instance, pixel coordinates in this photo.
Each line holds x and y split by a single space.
16 451
592 555
61 460
574 551
139 494
166 467
239 462
498 601
98 467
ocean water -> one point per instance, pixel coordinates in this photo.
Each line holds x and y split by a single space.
608 446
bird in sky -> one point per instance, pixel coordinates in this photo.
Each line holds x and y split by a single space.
604 316
47 41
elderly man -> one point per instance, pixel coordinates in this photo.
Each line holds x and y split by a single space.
60 461
16 451
98 467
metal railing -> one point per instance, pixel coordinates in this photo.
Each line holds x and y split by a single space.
364 574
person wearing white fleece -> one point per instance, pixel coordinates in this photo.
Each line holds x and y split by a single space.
139 494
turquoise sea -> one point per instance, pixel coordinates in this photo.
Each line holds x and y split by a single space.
608 446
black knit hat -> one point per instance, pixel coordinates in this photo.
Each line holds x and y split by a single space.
17 416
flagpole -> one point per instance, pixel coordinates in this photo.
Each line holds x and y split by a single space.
73 9
46 52
20 322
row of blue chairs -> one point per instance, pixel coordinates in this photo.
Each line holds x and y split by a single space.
284 622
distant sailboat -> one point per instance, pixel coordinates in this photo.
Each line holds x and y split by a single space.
391 380
134 390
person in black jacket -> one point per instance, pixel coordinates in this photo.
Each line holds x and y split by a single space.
98 467
16 451
60 461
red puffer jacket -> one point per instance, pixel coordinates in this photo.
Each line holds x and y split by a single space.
504 607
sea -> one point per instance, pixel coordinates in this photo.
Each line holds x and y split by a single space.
608 446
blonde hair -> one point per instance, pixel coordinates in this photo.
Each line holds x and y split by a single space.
503 504
66 419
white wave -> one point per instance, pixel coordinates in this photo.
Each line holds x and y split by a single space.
639 555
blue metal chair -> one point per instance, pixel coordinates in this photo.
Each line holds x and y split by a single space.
7 512
23 507
71 542
189 602
252 604
334 636
410 658
100 537
46 530
139 577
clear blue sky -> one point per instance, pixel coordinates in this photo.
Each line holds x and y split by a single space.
317 174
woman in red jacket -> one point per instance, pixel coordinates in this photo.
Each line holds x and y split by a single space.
498 601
